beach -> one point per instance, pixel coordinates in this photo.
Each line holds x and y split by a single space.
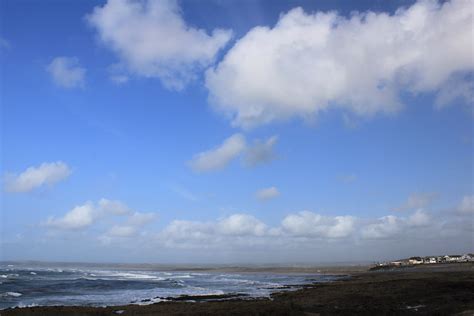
424 290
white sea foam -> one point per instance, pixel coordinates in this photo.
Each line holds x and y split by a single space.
415 307
12 294
23 305
124 276
200 291
216 292
137 276
185 276
240 281
151 301
7 276
33 273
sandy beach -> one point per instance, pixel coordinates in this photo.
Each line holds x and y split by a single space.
434 290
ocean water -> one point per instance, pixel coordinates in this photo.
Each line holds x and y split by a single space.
22 285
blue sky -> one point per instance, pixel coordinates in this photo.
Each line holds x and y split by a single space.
229 130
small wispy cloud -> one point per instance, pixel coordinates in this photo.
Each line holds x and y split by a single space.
131 227
47 173
219 157
267 193
416 201
261 152
66 72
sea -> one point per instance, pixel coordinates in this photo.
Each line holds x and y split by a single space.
26 285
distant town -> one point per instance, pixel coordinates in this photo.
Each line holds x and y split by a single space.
469 257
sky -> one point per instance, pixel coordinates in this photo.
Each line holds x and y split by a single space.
236 131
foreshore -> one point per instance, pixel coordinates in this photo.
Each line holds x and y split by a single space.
435 290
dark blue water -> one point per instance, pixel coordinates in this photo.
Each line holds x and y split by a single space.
99 286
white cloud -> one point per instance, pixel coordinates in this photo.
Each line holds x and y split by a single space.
261 152
113 207
419 218
227 227
311 224
390 227
47 173
246 231
244 236
308 63
241 224
67 72
467 205
121 231
187 233
140 219
267 193
84 216
218 158
131 227
232 229
416 201
78 218
152 40
384 227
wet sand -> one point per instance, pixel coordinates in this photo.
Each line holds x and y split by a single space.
434 290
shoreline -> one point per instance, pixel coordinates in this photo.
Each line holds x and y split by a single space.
426 290
208 268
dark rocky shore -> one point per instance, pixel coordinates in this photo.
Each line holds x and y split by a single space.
437 290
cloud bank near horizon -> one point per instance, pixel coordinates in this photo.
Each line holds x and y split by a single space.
247 233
